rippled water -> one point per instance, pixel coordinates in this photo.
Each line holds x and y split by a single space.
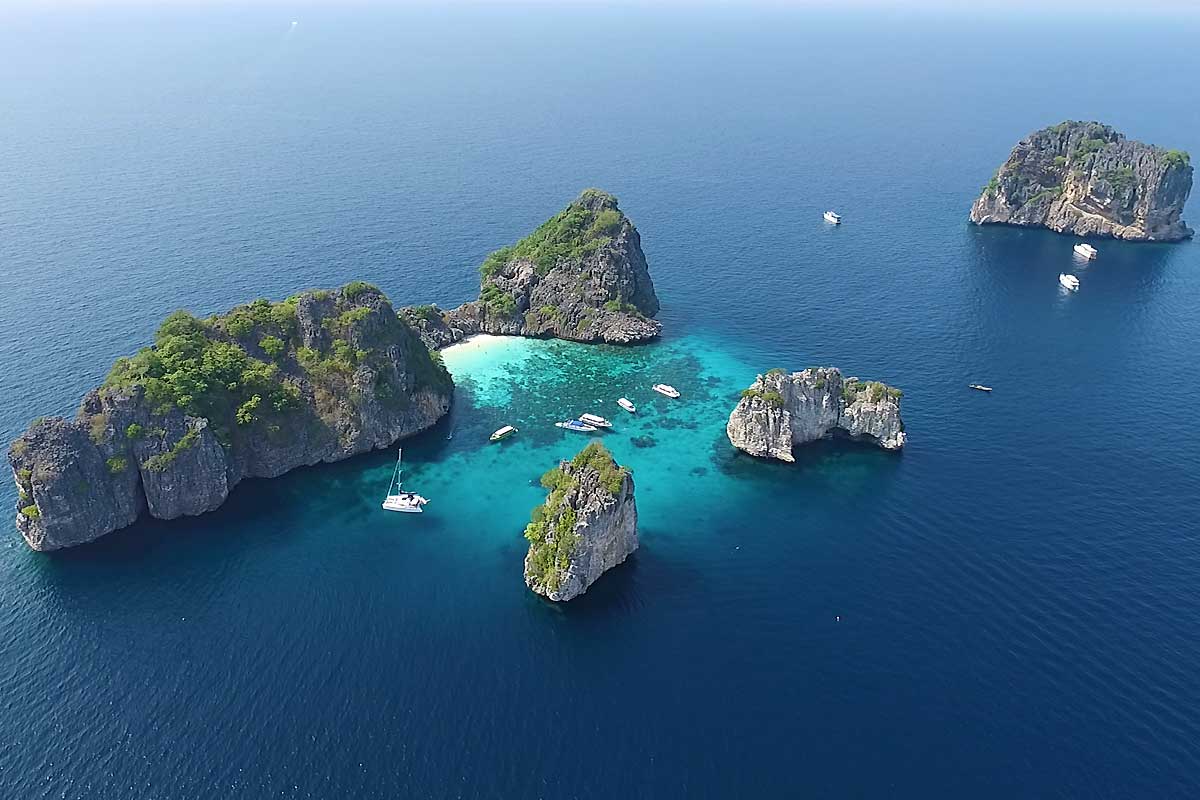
1007 608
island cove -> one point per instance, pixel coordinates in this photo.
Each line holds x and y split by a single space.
319 377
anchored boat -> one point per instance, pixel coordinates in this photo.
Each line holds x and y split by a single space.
595 419
1069 282
400 500
575 425
832 218
507 430
669 391
980 387
627 404
1086 251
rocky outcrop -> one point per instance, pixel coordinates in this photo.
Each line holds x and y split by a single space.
782 410
1085 179
434 327
587 525
256 392
581 276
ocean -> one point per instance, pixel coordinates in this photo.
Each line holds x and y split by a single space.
1008 608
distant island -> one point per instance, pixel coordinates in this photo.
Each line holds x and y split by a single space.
587 525
781 410
255 392
580 276
1086 179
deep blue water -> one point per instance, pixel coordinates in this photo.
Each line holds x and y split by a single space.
1018 592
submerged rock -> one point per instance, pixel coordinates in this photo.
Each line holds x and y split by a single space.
781 410
253 393
586 527
580 276
1086 179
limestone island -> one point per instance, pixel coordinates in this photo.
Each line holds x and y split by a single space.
1086 179
781 410
255 392
586 527
580 276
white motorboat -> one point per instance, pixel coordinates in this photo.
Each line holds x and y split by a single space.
980 387
1069 282
595 419
400 500
507 430
627 404
833 218
662 388
1084 250
575 425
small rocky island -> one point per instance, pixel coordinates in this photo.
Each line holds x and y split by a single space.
580 276
256 392
1086 179
586 527
781 410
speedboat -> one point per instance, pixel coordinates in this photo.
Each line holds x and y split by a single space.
575 425
507 430
662 388
627 404
595 419
980 387
1069 282
832 218
400 500
1086 251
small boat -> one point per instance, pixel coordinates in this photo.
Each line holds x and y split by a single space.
595 419
1069 282
400 500
832 218
1086 251
662 388
980 387
507 430
575 425
627 404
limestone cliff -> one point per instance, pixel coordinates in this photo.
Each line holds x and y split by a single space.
253 393
1085 179
581 275
586 527
782 410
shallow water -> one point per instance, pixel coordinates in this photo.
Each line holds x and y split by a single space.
1007 608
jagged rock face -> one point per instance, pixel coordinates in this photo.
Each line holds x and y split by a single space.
321 377
584 529
782 410
581 276
432 324
1086 179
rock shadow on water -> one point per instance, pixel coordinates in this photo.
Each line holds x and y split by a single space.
838 463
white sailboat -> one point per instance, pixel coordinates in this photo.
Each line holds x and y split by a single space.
400 500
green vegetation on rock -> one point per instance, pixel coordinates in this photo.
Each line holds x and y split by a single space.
160 462
1177 158
31 512
551 530
769 396
208 368
571 234
117 464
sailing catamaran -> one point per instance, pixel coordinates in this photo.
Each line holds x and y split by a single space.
400 500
